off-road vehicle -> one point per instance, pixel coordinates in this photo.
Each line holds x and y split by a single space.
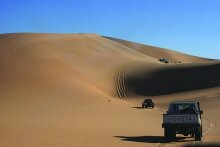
147 103
183 117
164 60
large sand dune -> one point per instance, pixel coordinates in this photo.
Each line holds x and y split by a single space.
157 53
85 90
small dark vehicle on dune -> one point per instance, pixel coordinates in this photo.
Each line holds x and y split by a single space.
147 103
183 117
164 60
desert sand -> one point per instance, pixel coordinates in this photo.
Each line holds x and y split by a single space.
63 90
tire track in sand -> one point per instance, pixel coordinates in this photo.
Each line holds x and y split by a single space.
120 84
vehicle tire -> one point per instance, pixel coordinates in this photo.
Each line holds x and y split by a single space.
201 132
166 133
169 134
198 133
173 134
153 106
142 105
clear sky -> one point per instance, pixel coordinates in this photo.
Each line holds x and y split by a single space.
189 26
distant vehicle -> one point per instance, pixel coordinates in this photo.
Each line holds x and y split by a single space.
183 117
164 60
147 103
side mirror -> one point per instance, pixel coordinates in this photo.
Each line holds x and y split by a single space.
201 112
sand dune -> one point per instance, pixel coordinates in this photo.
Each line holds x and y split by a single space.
157 53
85 90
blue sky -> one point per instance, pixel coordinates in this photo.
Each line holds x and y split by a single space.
189 26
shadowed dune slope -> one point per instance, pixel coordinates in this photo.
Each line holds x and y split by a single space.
172 79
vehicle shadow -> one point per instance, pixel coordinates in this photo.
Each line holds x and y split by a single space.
137 107
149 139
141 108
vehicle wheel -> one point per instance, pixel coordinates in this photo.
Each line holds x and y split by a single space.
198 133
153 106
173 134
142 105
169 134
166 133
201 132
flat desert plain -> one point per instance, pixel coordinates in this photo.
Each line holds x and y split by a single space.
63 90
